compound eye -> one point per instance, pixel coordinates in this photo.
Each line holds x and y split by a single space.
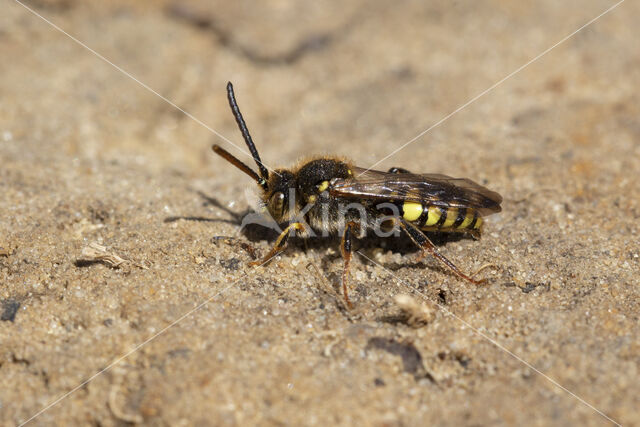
277 203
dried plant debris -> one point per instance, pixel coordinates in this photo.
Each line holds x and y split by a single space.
417 313
413 313
97 253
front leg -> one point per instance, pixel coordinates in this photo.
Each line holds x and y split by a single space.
345 248
280 244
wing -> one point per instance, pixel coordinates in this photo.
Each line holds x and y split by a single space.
431 189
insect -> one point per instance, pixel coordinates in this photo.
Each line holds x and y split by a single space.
312 195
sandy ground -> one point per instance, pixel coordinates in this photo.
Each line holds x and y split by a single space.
90 156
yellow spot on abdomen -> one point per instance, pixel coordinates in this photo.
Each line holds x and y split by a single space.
478 224
467 219
312 199
411 211
452 215
433 216
323 186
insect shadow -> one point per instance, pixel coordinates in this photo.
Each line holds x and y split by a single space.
207 200
251 231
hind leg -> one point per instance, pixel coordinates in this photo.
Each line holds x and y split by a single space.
423 242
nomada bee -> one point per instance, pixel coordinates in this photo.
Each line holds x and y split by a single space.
311 197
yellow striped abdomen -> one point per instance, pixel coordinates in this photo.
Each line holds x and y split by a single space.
429 217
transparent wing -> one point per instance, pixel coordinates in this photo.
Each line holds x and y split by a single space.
430 189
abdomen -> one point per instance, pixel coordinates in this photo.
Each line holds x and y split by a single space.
430 217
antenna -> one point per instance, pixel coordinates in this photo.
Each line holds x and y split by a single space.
237 163
264 172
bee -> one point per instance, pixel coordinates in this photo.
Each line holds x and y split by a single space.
311 197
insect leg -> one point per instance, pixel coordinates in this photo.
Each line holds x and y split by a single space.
280 244
345 248
398 170
422 241
231 240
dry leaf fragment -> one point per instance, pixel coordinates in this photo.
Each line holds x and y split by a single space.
96 252
417 313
